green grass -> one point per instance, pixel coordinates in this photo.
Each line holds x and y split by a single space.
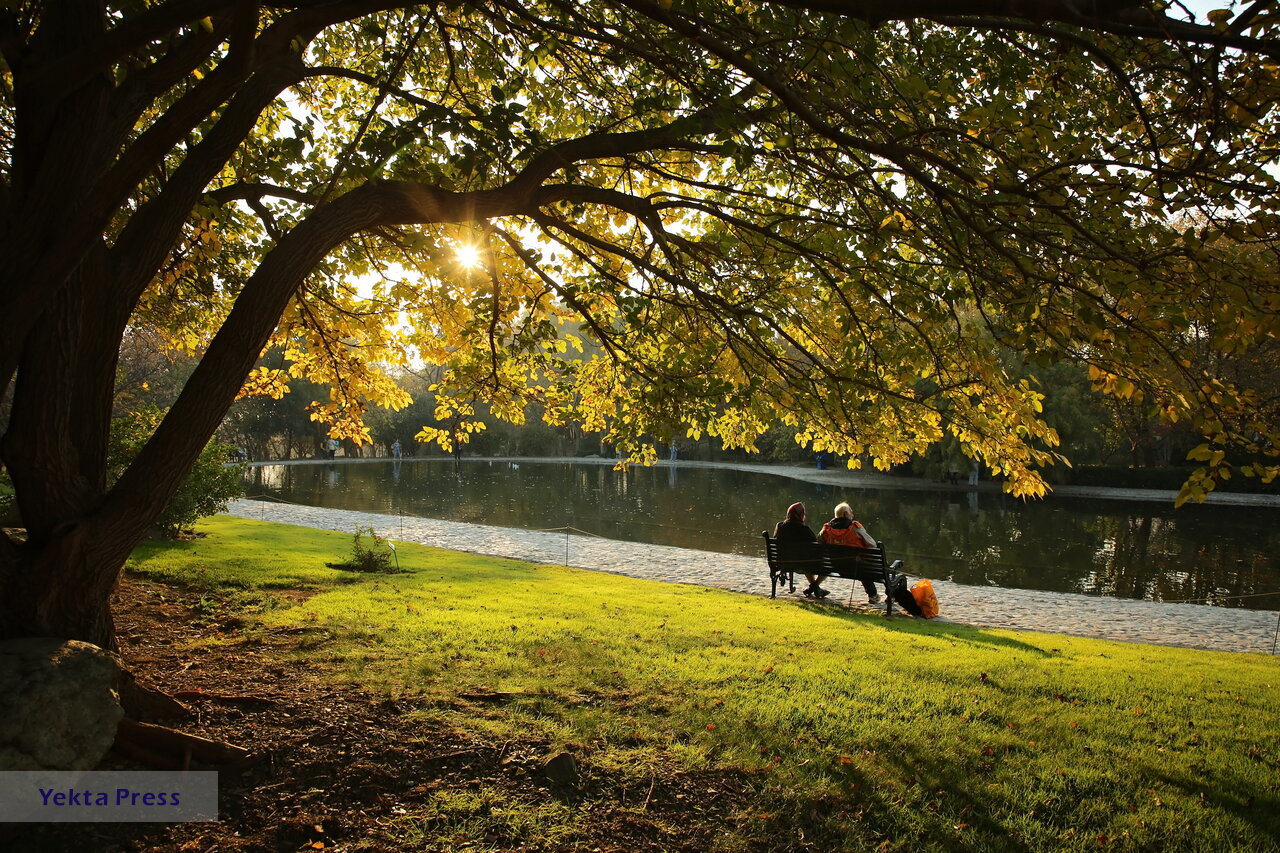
853 729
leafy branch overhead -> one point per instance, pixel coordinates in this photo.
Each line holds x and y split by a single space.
679 217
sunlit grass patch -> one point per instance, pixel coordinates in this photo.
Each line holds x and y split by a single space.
856 729
485 818
239 553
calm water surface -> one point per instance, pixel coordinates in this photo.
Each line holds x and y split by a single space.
1102 547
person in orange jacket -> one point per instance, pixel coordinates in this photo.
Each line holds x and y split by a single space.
844 530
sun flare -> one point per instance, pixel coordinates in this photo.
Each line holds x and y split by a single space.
468 256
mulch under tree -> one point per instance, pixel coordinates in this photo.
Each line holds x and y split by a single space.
335 768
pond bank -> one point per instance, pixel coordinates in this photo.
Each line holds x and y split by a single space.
1172 624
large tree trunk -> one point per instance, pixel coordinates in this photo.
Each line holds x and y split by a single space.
62 588
79 533
82 234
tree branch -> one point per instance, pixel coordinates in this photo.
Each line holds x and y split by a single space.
1129 18
137 30
257 190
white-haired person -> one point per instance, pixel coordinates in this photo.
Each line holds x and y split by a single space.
845 530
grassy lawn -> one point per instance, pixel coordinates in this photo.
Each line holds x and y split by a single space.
853 732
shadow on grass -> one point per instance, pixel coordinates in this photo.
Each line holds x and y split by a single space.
912 802
1261 809
924 628
960 791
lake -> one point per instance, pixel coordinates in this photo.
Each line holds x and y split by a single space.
1223 555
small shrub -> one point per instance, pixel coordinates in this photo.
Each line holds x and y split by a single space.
374 557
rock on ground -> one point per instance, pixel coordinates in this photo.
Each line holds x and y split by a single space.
59 704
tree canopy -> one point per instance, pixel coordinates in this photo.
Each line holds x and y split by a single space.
651 218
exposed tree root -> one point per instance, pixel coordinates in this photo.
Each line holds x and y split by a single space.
163 748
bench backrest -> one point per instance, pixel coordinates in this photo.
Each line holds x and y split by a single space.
851 561
846 561
792 556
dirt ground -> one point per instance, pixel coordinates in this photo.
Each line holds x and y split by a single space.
344 770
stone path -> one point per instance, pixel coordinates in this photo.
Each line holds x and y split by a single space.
1189 625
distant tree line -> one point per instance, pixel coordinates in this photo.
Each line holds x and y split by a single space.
1111 441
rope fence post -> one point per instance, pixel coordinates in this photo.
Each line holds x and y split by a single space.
1277 634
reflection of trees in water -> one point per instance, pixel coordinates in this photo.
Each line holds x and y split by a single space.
1122 567
1184 559
999 542
970 538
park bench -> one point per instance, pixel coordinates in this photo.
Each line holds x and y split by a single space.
837 561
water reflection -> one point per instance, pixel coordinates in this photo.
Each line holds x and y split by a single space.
1127 550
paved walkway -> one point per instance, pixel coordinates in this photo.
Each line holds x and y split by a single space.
1188 625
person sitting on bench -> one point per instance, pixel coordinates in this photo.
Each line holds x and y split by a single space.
844 530
796 546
